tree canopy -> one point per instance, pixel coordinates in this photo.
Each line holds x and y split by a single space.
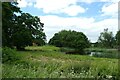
71 39
20 30
8 15
106 39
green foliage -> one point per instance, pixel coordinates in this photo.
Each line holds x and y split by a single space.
43 48
8 16
20 30
28 30
21 39
118 39
70 39
106 39
54 64
9 55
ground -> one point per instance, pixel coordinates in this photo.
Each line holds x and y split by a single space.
50 62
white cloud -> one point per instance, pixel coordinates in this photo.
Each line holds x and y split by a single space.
30 4
110 10
53 5
53 24
91 1
57 21
22 3
69 7
109 0
59 6
88 1
73 10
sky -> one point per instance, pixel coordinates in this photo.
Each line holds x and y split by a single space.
88 16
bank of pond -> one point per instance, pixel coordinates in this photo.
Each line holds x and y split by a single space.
95 52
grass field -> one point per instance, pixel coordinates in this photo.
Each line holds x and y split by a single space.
50 62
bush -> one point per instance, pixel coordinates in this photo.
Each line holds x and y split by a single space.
9 55
70 39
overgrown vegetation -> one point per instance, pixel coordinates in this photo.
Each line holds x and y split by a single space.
9 55
50 62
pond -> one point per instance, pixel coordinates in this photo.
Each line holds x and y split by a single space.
104 54
108 53
94 53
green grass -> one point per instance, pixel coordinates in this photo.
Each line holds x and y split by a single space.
49 62
43 48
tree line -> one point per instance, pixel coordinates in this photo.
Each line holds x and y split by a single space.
21 29
79 40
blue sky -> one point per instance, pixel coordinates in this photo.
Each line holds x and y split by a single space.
90 17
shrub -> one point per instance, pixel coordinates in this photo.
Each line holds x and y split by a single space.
9 55
70 39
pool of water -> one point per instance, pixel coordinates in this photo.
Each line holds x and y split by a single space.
104 54
93 53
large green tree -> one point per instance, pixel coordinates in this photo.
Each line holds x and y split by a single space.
28 29
8 16
106 39
21 30
72 39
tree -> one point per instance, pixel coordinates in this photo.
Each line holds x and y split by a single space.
106 39
22 30
28 29
118 39
72 39
8 15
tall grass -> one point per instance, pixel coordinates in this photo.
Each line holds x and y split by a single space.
51 63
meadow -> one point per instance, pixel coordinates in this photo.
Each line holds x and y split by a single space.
50 62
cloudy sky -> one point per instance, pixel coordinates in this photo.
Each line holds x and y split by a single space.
88 16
